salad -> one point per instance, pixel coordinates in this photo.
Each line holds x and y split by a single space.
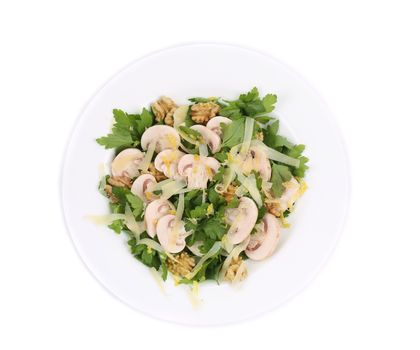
202 188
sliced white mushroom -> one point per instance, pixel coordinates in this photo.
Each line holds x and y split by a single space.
210 137
167 162
154 211
290 195
143 186
171 233
264 242
241 220
197 169
214 124
127 163
256 160
164 136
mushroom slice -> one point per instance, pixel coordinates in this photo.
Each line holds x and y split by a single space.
197 169
210 137
241 220
154 211
167 162
256 159
264 242
164 136
127 163
214 124
290 195
171 233
142 187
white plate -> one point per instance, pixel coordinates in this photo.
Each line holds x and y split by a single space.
209 70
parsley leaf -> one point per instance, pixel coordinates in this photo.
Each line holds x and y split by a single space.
268 102
118 138
199 212
220 156
214 228
190 134
233 133
271 139
215 198
143 121
280 173
127 129
249 104
296 152
117 226
136 204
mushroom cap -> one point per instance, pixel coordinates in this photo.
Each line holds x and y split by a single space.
264 242
154 211
210 137
141 187
127 163
197 169
214 124
164 136
242 220
167 162
171 233
256 159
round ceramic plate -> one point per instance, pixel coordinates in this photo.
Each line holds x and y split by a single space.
209 70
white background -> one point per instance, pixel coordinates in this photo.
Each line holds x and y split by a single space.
364 58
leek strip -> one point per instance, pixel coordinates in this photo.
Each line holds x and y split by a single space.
195 250
249 128
158 186
239 273
180 115
188 138
240 191
156 246
276 155
228 177
180 208
131 223
184 190
187 150
105 219
202 149
148 157
171 188
250 183
213 251
232 255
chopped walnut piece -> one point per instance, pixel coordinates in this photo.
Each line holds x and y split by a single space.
274 208
259 136
164 109
202 112
229 193
120 181
184 264
110 195
233 270
159 176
